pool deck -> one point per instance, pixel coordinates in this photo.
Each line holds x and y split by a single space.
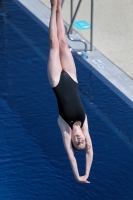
111 58
113 30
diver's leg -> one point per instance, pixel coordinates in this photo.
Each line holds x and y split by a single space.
54 66
66 57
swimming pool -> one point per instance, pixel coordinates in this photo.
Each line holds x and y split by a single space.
33 161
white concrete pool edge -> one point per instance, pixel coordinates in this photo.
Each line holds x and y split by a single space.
103 68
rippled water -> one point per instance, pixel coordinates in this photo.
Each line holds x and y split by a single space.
33 161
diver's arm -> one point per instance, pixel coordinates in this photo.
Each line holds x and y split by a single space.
66 136
89 148
89 158
69 150
73 162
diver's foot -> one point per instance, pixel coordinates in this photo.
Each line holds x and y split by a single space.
53 3
59 2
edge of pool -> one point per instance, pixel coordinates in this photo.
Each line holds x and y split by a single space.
102 67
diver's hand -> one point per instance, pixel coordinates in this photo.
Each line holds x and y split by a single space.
83 179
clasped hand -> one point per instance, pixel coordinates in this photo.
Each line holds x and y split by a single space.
83 179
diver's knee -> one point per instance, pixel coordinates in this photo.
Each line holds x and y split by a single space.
54 43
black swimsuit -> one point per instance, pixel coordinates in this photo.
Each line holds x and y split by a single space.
69 103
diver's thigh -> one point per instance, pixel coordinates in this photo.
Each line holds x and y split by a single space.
67 61
54 67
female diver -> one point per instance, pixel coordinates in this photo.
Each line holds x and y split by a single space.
62 77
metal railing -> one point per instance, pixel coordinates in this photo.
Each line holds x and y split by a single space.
72 21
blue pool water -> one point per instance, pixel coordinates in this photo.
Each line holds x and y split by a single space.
33 161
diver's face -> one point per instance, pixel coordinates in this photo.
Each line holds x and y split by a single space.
78 138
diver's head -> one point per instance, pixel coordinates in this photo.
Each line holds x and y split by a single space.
77 137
